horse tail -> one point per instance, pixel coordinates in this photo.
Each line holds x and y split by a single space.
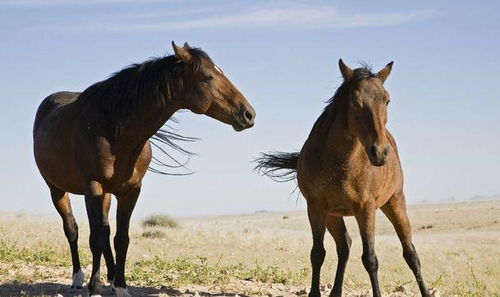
279 166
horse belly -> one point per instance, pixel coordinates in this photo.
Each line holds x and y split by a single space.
322 188
340 209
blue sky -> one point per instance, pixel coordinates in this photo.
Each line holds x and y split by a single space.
283 56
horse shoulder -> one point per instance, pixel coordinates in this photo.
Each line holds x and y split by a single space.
392 142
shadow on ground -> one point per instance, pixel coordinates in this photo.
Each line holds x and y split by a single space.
53 289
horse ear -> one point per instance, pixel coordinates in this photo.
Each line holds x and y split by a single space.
182 53
384 72
186 45
346 71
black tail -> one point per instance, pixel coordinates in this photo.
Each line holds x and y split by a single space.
163 138
279 166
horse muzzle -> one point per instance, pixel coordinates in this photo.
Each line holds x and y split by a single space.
378 154
245 119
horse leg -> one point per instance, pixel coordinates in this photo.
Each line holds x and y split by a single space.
62 203
94 202
337 229
317 218
366 222
126 204
108 253
395 210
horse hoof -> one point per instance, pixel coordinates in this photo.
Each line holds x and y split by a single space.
434 292
78 278
76 288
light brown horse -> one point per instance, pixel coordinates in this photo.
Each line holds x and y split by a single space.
96 143
349 166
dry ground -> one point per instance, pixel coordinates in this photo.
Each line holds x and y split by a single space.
263 254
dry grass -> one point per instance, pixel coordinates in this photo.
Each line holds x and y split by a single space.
159 220
458 245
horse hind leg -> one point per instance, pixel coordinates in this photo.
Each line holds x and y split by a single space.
395 210
62 203
317 218
337 229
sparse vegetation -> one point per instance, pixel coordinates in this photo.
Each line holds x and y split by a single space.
42 255
425 227
251 254
181 271
159 220
153 234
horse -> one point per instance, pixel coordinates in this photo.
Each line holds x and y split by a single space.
97 143
349 166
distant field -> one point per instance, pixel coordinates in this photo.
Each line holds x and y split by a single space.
263 254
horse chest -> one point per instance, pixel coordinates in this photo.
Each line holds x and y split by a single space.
343 189
130 170
115 167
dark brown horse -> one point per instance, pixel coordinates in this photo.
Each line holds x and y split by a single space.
96 143
349 166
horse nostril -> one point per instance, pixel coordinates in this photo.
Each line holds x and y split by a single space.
373 152
385 151
248 115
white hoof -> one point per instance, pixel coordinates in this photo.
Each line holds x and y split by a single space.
78 279
434 292
95 296
121 292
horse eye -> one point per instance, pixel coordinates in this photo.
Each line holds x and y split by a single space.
207 78
387 103
356 104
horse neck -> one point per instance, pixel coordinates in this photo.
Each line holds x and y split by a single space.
341 143
141 126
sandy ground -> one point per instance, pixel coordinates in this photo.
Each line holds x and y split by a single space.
56 288
457 242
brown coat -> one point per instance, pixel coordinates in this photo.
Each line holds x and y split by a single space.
96 143
349 166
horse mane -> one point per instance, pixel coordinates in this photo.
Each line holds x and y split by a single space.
152 83
166 137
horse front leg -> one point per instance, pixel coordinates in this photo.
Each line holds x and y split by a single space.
366 222
126 204
108 253
395 210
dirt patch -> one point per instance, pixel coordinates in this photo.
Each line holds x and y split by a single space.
236 288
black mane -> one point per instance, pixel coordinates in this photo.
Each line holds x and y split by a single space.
152 83
358 75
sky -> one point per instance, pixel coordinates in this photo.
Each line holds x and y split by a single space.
282 55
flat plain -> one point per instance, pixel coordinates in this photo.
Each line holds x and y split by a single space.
262 254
